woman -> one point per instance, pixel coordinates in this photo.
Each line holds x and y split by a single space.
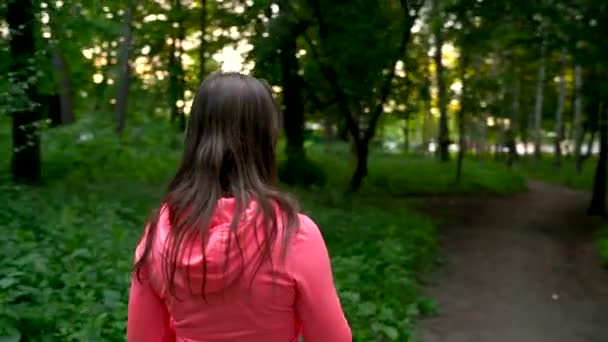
227 257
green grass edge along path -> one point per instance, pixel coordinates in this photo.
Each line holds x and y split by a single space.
568 175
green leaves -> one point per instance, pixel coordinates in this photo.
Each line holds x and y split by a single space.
376 251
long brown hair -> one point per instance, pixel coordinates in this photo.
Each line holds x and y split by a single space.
230 151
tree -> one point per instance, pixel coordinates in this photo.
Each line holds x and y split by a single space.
363 82
539 99
597 207
203 47
122 91
175 65
559 126
276 58
464 106
25 163
443 138
578 113
61 67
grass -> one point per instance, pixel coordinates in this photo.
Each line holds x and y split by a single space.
412 175
566 174
67 246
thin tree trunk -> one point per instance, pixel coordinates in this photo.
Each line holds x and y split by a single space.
292 100
464 102
538 105
481 128
559 126
181 80
426 117
328 130
203 46
597 207
173 77
25 163
578 114
61 68
443 138
64 86
514 127
362 150
406 135
589 151
122 91
496 97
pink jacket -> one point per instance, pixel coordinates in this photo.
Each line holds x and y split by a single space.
297 298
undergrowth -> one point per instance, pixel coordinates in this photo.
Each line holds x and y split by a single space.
67 245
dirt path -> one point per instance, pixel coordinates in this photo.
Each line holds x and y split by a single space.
518 269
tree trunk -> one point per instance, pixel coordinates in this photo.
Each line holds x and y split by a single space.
578 114
538 105
406 135
480 130
464 106
64 86
202 49
443 138
362 150
589 151
328 130
559 127
61 69
122 91
597 207
181 80
25 163
293 108
514 127
173 78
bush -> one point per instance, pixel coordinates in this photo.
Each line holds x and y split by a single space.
301 171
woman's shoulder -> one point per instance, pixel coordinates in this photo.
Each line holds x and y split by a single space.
308 236
307 226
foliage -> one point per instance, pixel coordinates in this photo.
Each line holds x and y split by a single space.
66 253
377 249
301 171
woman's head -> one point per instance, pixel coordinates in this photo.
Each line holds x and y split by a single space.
229 151
232 132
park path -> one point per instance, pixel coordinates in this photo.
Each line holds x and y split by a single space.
519 269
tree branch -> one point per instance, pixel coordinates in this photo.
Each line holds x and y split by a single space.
316 101
386 86
331 74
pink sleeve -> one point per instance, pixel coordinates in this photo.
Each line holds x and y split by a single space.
317 302
148 320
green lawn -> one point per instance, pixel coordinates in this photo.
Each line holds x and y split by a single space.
67 246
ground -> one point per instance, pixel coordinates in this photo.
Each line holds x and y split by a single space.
518 268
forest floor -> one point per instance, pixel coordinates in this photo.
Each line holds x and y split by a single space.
518 268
